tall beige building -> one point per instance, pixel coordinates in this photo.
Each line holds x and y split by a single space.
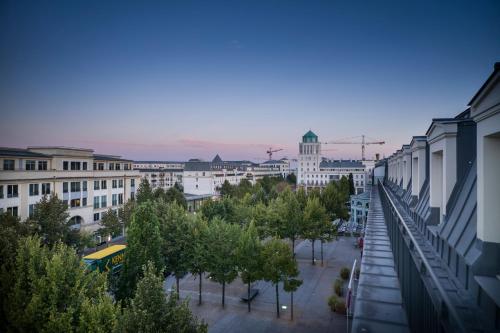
89 183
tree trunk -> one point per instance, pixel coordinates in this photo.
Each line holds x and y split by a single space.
177 283
291 295
199 296
321 252
293 247
248 300
223 292
312 241
277 302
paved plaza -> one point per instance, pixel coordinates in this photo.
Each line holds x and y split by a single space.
311 311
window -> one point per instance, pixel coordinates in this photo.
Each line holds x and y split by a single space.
75 203
114 200
65 165
132 182
12 210
96 185
33 189
120 183
30 165
84 202
103 201
31 210
101 166
84 165
126 166
111 166
104 184
96 202
132 195
84 186
8 164
65 202
95 166
96 216
120 198
75 186
65 187
1 191
114 183
117 166
42 165
75 165
12 191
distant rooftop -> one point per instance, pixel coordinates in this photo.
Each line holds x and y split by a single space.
341 164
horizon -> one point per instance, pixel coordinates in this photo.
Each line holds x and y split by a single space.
181 80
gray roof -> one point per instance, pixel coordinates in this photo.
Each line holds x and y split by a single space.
341 164
110 158
159 162
159 170
19 152
197 166
274 162
217 159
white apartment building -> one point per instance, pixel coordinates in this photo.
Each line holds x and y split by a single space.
315 171
160 174
205 178
89 183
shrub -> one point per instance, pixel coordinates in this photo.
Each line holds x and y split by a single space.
344 273
337 286
332 301
340 307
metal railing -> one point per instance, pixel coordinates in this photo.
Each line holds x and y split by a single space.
427 311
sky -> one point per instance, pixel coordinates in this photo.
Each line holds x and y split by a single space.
173 80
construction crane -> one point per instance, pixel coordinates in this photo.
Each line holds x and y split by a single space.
363 143
270 152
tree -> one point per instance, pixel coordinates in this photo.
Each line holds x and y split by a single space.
177 244
290 216
50 222
301 198
144 244
279 265
179 187
291 179
315 219
249 257
126 211
53 292
199 261
11 230
291 285
110 224
159 194
351 185
334 197
174 195
144 192
222 264
226 189
151 311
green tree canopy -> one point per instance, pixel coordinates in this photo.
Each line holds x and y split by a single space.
223 238
249 257
144 192
174 195
198 231
144 244
151 311
315 222
110 224
52 291
50 222
279 265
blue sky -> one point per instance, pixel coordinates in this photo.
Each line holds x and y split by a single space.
182 79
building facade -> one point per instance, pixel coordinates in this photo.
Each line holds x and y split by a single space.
205 178
316 171
439 202
89 183
160 174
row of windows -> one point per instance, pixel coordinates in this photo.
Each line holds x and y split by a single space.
112 166
9 164
102 201
34 189
75 186
12 191
115 183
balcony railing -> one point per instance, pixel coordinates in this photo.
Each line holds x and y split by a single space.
428 306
